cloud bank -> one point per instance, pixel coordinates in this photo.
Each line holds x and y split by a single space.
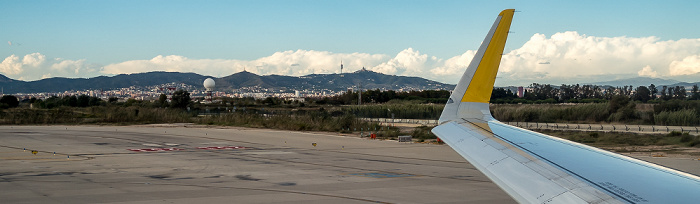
567 57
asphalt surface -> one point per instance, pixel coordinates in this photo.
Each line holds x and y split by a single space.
175 164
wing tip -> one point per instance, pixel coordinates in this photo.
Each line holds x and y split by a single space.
507 11
472 94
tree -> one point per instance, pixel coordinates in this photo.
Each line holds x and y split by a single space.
610 92
502 93
663 93
679 93
83 101
670 93
180 99
566 92
94 101
71 101
617 102
9 101
653 90
694 93
162 100
542 91
642 94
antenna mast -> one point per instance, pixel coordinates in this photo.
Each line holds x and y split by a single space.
359 94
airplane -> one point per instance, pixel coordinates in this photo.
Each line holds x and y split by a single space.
536 168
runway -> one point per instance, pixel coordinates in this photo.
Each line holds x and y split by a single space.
176 164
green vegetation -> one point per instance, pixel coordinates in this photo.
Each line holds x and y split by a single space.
618 110
607 139
251 113
397 109
92 115
337 114
546 93
181 99
423 133
8 101
378 97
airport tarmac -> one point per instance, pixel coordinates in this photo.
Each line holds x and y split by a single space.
175 164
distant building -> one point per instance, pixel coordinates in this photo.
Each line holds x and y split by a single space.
520 92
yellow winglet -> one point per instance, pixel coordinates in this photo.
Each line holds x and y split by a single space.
481 85
470 98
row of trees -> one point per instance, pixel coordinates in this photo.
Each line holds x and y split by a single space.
536 93
619 109
379 96
592 93
180 99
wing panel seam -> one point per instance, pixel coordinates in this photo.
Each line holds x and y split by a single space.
552 163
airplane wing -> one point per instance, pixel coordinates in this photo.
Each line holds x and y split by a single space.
537 168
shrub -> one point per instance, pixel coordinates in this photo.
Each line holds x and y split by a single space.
9 101
686 137
685 117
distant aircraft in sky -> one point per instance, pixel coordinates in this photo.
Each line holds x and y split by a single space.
537 168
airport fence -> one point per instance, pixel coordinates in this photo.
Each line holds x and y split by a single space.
607 127
563 126
389 121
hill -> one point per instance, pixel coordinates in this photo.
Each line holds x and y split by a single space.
242 80
637 81
337 82
60 84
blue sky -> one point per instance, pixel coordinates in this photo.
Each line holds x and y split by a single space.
414 38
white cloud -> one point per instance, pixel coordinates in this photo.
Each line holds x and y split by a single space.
311 61
647 72
11 65
36 66
34 59
689 65
567 57
169 63
295 63
408 62
570 57
69 66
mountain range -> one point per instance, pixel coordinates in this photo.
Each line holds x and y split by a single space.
242 80
642 81
247 80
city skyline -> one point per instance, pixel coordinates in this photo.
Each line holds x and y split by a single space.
552 42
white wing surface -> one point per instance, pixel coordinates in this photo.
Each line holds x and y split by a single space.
537 168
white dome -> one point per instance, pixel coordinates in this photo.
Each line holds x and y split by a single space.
209 83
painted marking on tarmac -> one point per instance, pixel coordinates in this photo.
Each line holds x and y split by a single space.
226 147
265 153
155 149
382 175
152 145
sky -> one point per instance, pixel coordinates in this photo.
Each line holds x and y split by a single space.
553 42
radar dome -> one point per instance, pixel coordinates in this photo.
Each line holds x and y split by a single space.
209 84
